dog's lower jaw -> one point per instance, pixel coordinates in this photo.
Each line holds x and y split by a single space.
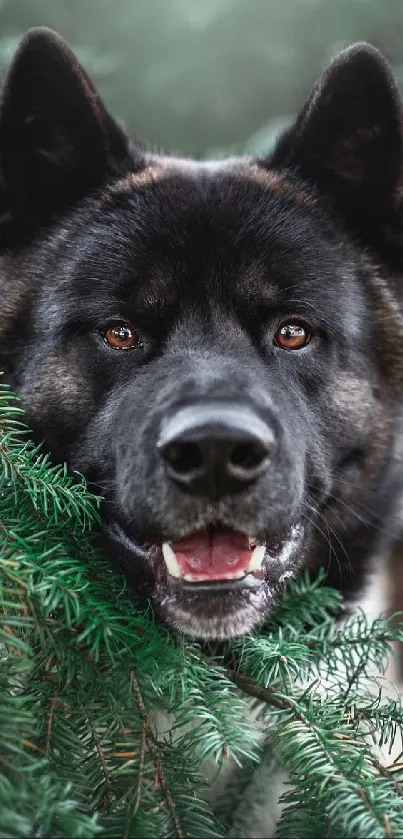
211 609
250 608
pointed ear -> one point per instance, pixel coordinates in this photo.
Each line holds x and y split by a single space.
348 139
57 141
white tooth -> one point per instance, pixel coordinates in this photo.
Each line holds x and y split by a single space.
171 561
256 559
252 542
201 578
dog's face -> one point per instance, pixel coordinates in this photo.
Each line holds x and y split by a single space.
206 342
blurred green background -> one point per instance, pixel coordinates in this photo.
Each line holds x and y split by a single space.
207 77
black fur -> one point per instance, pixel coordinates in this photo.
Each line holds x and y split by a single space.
205 261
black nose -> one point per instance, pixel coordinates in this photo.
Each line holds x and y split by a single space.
215 449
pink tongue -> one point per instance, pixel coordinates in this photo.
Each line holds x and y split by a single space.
216 556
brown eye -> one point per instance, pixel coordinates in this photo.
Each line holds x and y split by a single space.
121 336
292 336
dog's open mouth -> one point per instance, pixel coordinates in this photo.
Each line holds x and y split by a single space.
217 555
203 563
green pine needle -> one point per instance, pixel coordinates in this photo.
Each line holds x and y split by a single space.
86 677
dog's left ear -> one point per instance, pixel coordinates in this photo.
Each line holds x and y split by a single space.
348 139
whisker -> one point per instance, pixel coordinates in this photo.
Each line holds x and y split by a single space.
331 531
326 538
368 522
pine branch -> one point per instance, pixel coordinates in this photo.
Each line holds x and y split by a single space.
53 703
83 670
324 754
285 703
263 694
50 489
134 803
152 745
108 792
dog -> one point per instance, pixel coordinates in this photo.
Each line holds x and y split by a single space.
217 346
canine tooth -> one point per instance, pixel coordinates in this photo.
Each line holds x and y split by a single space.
170 560
252 542
257 558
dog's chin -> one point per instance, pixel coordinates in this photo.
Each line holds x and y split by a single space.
226 595
217 612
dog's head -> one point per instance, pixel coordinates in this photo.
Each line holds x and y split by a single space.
208 342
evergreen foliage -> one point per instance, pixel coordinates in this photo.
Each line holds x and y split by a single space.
85 675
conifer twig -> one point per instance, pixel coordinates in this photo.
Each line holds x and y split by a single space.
252 688
282 702
53 703
69 634
137 793
106 798
152 745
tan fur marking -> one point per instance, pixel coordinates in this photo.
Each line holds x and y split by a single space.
59 382
134 181
396 579
380 441
352 408
395 593
349 399
390 324
13 297
60 236
164 167
280 184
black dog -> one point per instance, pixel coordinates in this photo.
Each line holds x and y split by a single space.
217 346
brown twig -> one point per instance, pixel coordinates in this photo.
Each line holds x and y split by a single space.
107 778
386 773
152 745
137 794
266 695
49 726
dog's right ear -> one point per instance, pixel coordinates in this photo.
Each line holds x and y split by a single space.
57 140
